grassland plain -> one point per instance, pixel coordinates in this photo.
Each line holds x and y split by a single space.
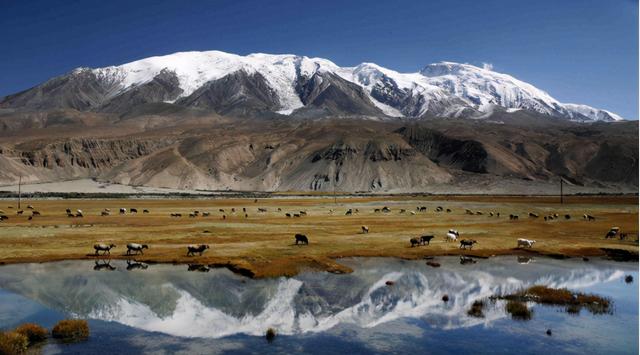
262 243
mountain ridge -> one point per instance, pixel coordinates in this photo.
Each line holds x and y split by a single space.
444 89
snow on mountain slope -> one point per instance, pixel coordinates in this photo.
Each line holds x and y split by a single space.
444 89
194 69
591 113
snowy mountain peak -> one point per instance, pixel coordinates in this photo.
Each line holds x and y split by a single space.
443 89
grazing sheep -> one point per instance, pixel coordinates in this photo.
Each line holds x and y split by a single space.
233 210
448 210
403 210
68 210
439 209
288 215
246 215
422 209
279 209
525 243
365 229
533 215
464 243
451 237
426 239
567 216
224 216
244 209
376 210
79 213
479 213
221 210
386 209
413 213
70 215
513 216
133 210
104 213
3 217
192 215
29 207
262 210
414 242
612 232
206 214
123 210
145 211
20 212
297 215
35 213
303 213
196 248
302 239
589 217
104 248
349 212
490 214
136 247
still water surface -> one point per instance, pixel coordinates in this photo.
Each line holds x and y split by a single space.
168 309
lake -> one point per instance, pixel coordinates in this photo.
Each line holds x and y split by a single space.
169 309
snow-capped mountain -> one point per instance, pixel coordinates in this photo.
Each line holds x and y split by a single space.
296 85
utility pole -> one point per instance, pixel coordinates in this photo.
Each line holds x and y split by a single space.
561 192
19 191
335 198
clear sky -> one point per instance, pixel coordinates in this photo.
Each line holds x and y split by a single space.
579 51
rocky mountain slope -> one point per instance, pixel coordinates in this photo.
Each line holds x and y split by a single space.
218 121
508 153
268 85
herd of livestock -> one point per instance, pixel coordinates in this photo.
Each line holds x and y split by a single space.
300 239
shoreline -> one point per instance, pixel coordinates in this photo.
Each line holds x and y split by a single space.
296 265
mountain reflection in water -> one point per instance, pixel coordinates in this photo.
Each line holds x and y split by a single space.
170 300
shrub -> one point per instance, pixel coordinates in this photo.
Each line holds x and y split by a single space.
71 330
12 343
476 309
518 310
33 332
271 334
562 297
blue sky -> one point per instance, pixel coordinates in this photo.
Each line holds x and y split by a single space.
578 51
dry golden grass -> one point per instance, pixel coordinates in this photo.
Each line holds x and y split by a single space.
262 245
560 297
71 330
34 332
12 343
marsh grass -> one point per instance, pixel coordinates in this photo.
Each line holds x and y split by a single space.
71 330
34 332
574 301
13 343
476 309
518 310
